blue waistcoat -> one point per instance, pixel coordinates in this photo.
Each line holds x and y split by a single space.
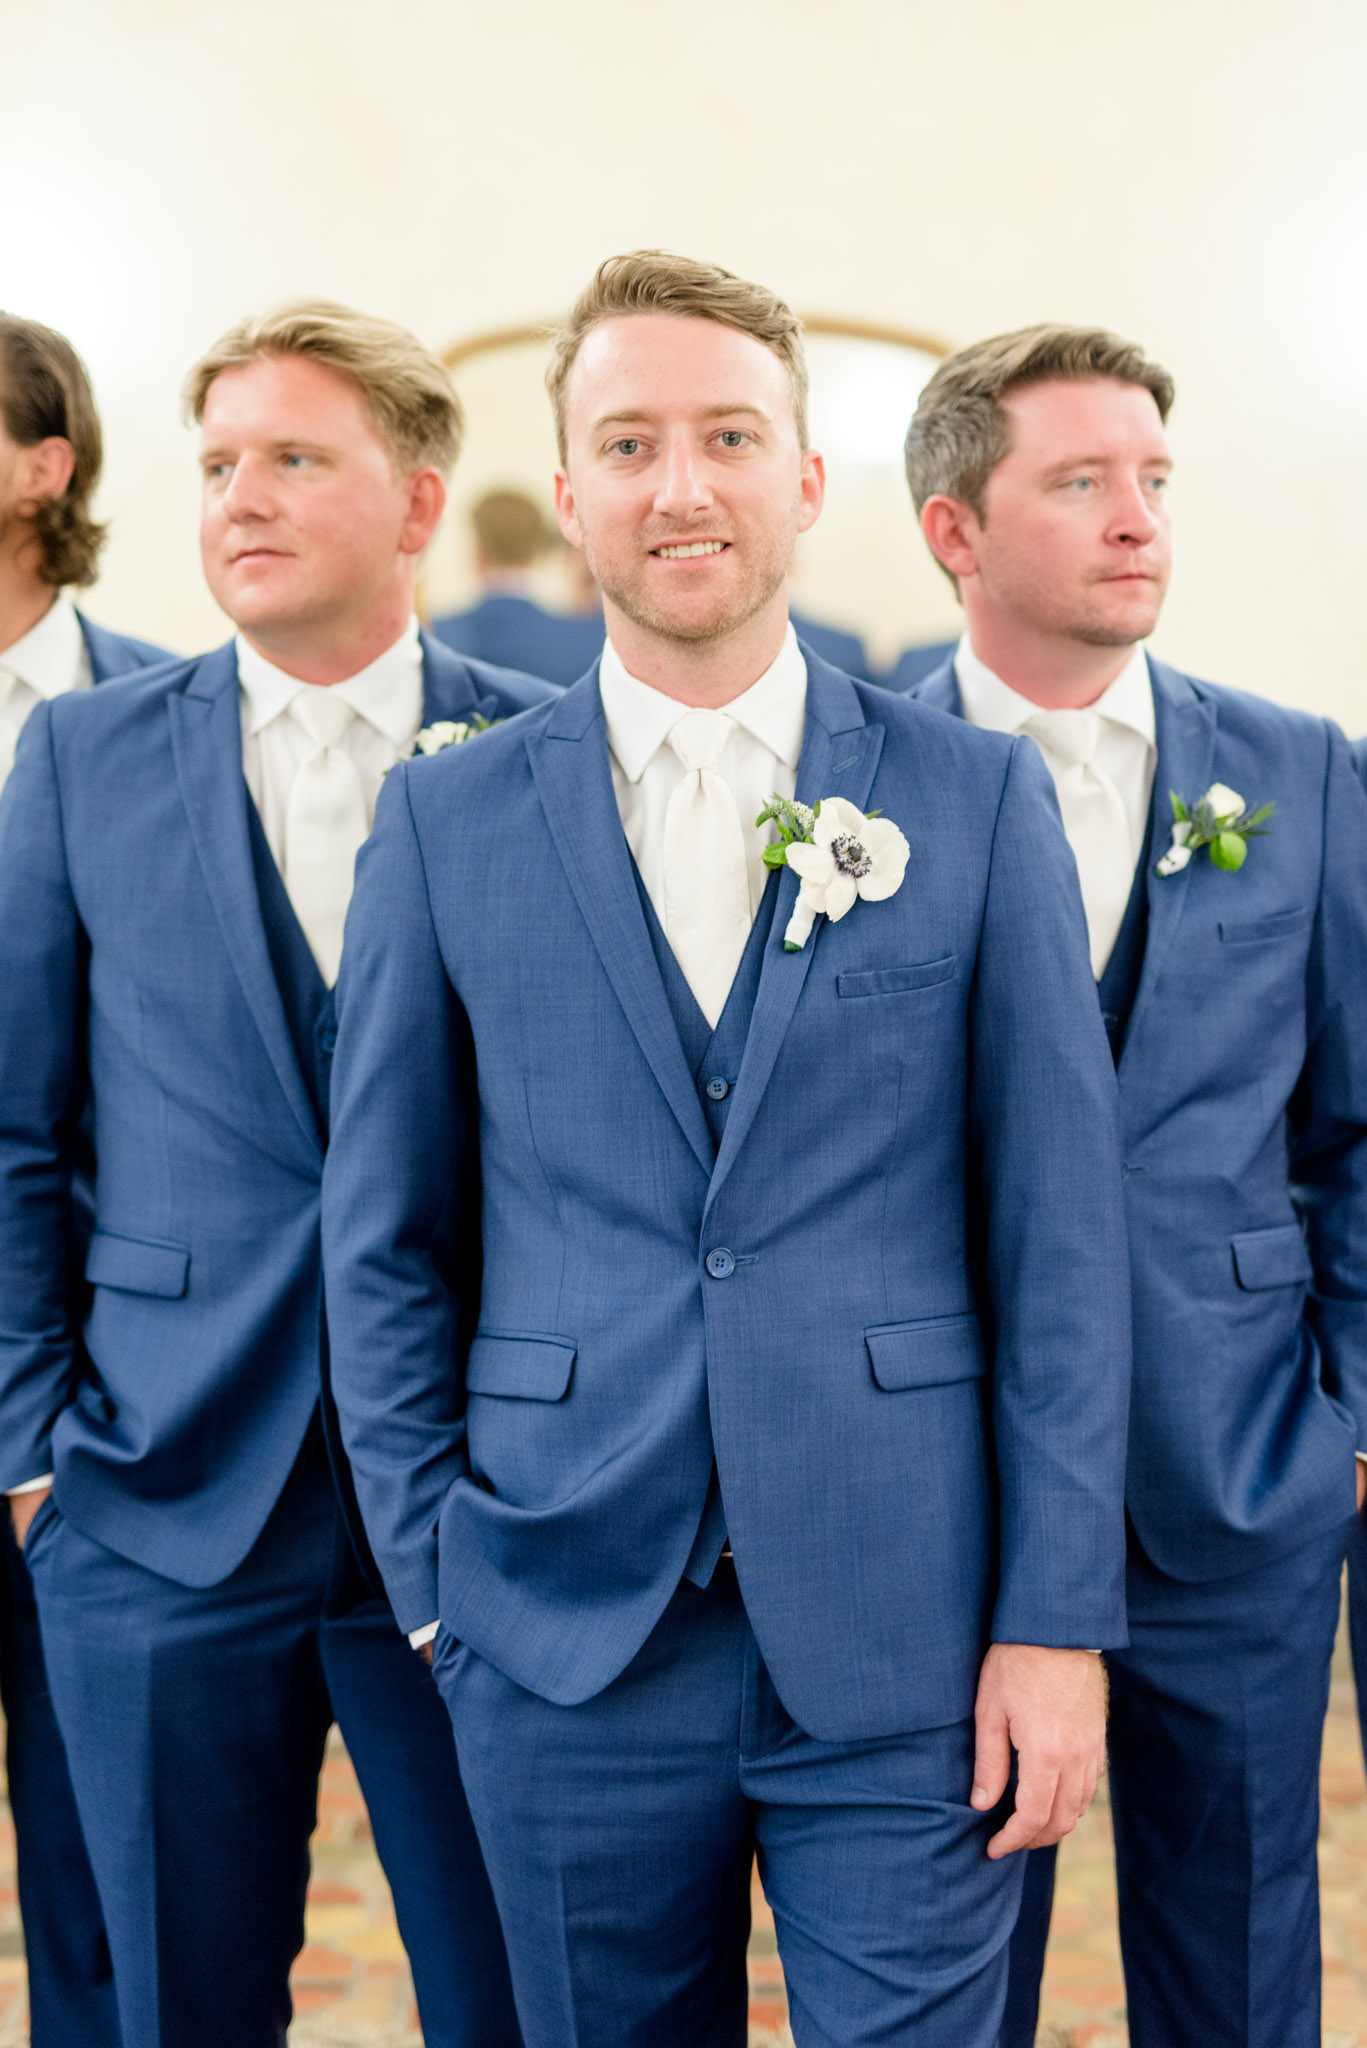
310 1005
1119 985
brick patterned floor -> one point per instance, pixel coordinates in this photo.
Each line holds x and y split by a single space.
352 1988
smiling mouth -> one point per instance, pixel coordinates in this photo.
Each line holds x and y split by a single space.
687 551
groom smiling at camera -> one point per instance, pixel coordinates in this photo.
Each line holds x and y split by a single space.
784 1425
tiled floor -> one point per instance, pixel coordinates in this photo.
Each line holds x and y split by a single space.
352 1988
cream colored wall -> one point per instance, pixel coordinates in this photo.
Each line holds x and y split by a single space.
1189 172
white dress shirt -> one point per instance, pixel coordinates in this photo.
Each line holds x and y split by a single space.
760 760
49 660
387 698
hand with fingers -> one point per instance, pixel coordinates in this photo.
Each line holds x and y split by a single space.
1049 1706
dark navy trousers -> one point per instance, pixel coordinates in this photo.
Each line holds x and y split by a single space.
1217 1716
70 1981
195 1722
619 1836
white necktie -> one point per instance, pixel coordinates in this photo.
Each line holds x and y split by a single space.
706 882
325 826
1094 819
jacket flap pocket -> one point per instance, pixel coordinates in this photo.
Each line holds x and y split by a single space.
138 1265
927 1354
896 981
1272 1258
529 1368
1282 925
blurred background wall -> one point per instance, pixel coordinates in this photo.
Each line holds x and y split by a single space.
1189 172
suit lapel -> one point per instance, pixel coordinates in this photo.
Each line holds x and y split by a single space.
449 689
840 754
940 689
206 740
569 760
1185 732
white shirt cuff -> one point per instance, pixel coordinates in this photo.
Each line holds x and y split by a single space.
418 1637
1361 1457
37 1486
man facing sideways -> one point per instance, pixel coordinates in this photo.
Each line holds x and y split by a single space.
50 457
1232 976
176 856
796 1373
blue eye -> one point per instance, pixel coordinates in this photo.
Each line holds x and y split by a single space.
732 437
627 447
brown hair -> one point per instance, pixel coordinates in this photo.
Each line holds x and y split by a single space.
511 529
959 431
45 394
653 281
407 391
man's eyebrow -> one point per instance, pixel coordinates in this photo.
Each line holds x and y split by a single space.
627 416
213 450
1100 462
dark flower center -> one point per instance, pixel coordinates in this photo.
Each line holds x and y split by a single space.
851 856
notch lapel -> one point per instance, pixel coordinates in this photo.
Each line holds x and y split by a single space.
569 761
1185 732
448 688
840 754
206 740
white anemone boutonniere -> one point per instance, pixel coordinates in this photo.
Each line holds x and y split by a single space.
1219 820
839 854
450 732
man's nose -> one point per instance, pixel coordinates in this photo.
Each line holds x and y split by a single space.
248 493
683 487
1135 518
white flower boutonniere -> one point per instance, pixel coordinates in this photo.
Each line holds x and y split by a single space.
1218 820
450 732
840 855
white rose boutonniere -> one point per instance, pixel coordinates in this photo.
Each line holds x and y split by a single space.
450 732
1218 820
839 854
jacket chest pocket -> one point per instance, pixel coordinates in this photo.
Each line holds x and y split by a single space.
898 981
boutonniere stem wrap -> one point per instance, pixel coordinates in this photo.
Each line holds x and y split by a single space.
1219 820
839 855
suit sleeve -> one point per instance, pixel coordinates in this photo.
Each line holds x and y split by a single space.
402 1160
1046 1119
42 1084
1329 1109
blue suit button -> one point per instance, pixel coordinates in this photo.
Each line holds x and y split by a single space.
718 1089
327 1039
721 1264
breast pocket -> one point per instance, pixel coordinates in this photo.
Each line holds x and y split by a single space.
898 981
1260 931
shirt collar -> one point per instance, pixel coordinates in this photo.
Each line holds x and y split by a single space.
640 718
988 701
388 694
50 655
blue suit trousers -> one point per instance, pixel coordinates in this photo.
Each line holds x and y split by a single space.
619 1836
195 1722
70 1981
1217 1716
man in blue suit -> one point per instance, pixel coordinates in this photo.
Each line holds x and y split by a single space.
50 459
176 854
1230 956
782 1421
507 625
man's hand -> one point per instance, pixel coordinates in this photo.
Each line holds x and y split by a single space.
1362 1483
1050 1707
24 1506
425 1652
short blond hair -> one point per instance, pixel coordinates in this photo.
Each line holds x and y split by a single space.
407 391
654 281
960 431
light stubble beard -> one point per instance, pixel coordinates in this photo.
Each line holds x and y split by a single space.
629 595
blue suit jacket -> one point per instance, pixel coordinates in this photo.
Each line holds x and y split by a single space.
842 650
1243 1085
114 654
137 965
516 633
915 1377
915 664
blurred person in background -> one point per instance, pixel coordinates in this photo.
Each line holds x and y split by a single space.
1229 947
176 858
50 458
914 664
507 625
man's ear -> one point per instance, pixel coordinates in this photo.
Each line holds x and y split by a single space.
45 470
952 531
426 503
565 510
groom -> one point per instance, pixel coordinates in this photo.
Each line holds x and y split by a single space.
785 1423
176 856
1232 980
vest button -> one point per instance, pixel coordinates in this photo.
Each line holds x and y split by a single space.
327 1039
718 1088
721 1264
